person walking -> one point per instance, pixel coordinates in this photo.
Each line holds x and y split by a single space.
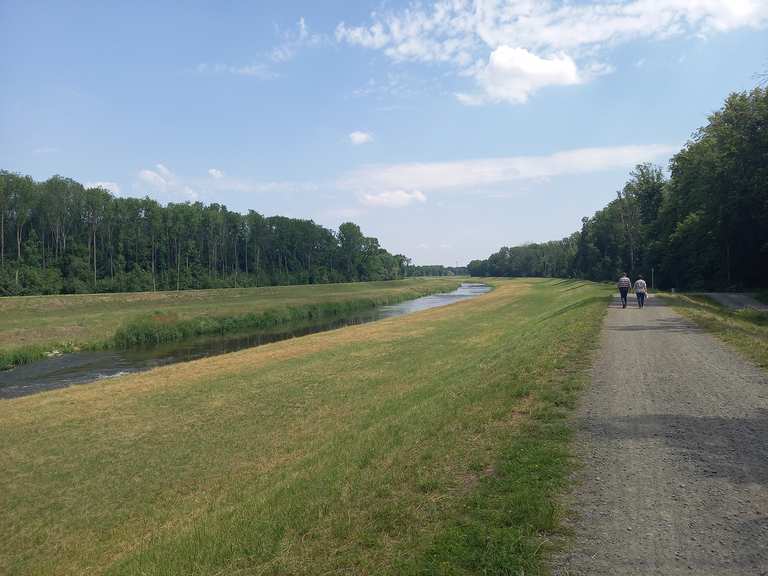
624 285
641 291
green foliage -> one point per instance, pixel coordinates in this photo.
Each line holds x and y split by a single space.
161 327
57 236
705 227
31 353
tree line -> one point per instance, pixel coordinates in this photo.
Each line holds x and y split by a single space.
57 236
705 226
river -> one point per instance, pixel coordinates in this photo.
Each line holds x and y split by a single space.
83 367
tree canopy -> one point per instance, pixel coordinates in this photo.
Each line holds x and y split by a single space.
705 226
58 236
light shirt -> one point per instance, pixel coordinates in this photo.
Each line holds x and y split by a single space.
640 286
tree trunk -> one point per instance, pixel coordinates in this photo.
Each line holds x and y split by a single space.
154 283
94 256
18 252
258 255
178 266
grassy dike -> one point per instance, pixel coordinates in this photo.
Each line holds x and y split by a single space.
745 330
33 326
434 443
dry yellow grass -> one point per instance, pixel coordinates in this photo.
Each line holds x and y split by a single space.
350 450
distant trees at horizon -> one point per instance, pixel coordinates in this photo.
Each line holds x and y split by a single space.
704 227
57 236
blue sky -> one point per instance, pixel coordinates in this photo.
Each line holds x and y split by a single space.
445 129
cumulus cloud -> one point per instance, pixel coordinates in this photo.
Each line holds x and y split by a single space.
512 74
112 187
357 138
560 35
377 180
393 199
215 173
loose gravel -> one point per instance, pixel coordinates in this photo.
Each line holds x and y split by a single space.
673 437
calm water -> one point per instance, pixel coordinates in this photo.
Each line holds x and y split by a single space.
82 367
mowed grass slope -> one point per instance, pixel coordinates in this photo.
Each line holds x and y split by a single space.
40 323
434 443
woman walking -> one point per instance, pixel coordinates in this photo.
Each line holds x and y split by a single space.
641 290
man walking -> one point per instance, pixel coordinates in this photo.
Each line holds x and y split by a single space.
624 285
641 289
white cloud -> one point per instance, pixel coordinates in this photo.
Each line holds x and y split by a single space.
393 199
357 138
489 172
337 216
512 74
162 182
112 187
567 35
294 40
215 173
256 70
291 41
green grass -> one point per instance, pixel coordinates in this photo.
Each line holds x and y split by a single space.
746 330
435 443
31 327
762 296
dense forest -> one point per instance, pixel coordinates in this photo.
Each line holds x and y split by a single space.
703 226
57 236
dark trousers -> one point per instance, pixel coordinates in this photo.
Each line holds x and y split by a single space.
640 299
623 292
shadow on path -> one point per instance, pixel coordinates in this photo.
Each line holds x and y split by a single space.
735 449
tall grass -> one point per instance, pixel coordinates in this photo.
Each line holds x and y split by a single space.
53 324
162 327
31 353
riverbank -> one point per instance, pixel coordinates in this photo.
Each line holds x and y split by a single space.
430 443
35 326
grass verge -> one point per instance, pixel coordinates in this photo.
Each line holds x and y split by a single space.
33 327
435 443
745 330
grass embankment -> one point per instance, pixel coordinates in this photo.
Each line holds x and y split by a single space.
33 326
434 443
745 330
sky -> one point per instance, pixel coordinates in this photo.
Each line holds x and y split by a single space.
445 129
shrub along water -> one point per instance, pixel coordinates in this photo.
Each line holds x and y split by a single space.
53 324
162 327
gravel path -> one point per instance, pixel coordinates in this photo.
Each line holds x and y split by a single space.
673 434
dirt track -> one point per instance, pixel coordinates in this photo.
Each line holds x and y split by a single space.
673 435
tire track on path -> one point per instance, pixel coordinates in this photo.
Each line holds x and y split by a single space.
673 435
